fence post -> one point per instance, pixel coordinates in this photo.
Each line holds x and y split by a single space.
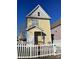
54 47
37 50
30 51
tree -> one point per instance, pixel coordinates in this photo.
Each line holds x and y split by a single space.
22 36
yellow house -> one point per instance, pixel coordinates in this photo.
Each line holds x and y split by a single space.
38 26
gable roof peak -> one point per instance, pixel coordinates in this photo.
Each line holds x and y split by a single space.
39 5
38 8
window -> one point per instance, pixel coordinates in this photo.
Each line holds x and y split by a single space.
38 13
34 22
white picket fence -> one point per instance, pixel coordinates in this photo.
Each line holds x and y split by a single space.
33 51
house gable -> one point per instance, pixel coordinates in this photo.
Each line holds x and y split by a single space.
38 12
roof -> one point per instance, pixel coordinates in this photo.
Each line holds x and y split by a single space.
34 13
56 24
36 27
33 27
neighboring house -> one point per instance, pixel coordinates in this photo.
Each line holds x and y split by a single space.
56 32
38 26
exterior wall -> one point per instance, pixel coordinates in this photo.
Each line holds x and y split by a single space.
44 25
57 35
29 22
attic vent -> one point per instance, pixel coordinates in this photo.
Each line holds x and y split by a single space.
38 13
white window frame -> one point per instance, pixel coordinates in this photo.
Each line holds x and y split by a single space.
34 22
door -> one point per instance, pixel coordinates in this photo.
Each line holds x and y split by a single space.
35 40
52 37
39 37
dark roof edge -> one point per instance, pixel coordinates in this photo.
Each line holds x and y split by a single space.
56 24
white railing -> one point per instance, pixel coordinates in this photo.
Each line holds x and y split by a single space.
32 51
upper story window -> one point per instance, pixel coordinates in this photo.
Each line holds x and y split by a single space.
34 22
38 13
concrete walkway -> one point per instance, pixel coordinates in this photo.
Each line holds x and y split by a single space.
49 57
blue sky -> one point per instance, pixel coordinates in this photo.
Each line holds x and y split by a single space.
52 7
